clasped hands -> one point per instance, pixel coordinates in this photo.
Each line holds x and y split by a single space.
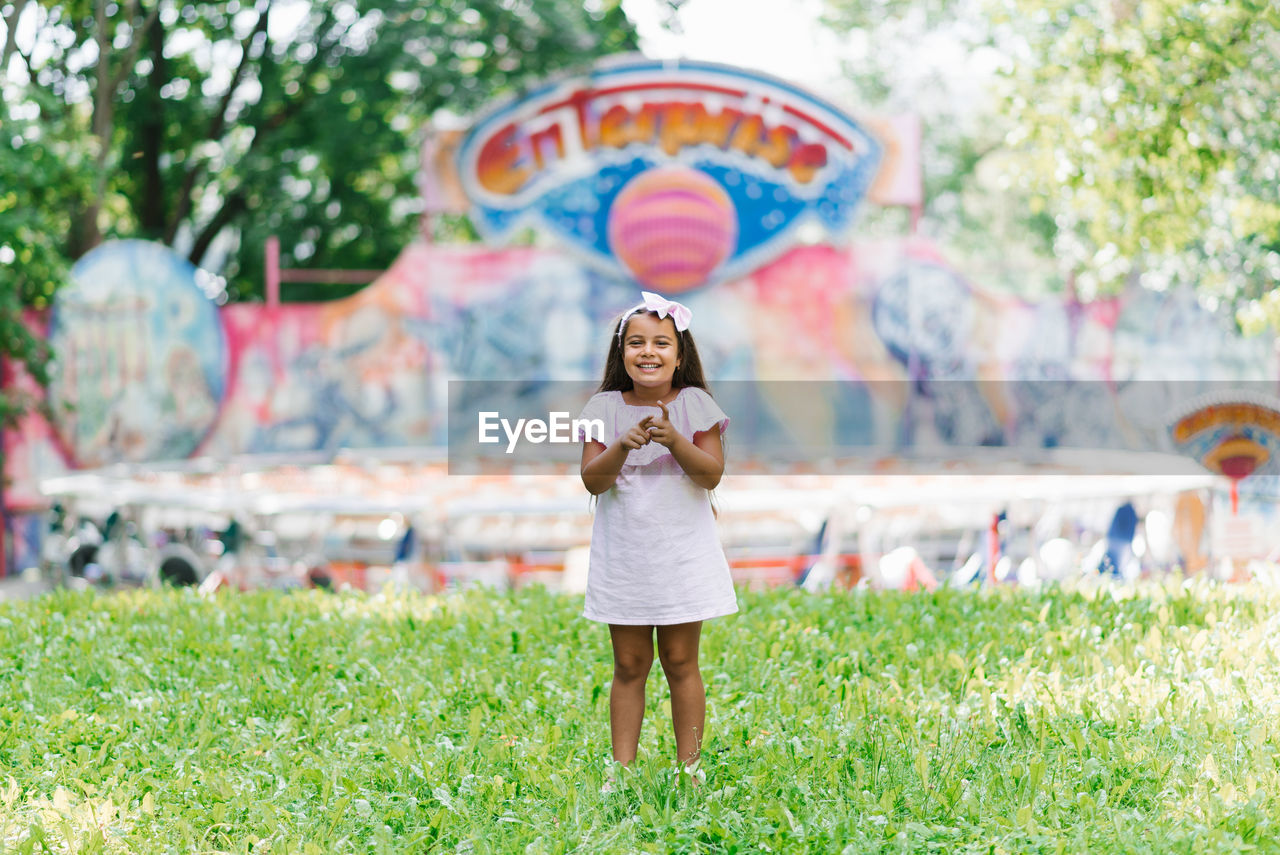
651 428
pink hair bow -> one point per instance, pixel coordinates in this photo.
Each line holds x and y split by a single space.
680 313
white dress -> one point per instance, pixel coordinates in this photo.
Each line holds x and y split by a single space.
655 554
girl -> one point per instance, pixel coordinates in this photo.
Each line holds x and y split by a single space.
656 562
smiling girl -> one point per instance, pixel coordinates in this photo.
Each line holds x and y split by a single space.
657 567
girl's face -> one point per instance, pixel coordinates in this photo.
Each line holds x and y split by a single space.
651 351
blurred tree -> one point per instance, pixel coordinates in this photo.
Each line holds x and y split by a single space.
1148 129
938 59
211 125
1134 138
45 170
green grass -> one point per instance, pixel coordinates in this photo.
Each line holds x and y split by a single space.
1058 722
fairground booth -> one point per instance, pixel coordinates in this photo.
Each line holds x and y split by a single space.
880 399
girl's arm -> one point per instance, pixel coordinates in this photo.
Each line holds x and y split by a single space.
601 465
701 458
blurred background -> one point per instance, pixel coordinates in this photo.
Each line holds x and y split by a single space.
1032 247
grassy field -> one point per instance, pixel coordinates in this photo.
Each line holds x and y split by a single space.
1059 722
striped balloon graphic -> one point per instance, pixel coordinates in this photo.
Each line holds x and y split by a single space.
672 226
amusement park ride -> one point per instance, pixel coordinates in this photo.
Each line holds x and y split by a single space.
880 401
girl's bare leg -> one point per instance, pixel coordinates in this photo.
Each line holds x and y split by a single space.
632 660
678 651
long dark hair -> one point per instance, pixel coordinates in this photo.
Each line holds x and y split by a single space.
688 373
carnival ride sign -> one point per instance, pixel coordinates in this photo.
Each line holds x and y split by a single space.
676 174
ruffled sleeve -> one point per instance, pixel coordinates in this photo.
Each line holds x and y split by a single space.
700 412
596 409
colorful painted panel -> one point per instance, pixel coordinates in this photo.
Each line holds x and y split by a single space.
911 356
142 361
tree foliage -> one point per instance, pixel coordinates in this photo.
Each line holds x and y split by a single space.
44 170
1139 131
936 59
1147 127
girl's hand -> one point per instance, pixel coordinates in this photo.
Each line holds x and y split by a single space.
638 435
661 430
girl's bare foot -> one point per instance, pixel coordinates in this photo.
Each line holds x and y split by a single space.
696 774
613 770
